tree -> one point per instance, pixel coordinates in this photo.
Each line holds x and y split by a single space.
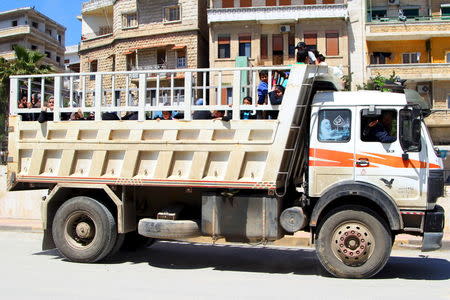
380 82
27 62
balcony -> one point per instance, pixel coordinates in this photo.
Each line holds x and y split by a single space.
103 32
416 72
93 5
423 27
277 13
13 31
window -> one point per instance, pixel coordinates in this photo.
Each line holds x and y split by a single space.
291 45
34 24
131 61
448 101
181 58
311 40
102 30
93 66
48 31
245 3
227 3
48 54
445 11
411 58
129 20
332 43
378 14
385 125
59 37
161 57
334 125
245 45
14 23
224 46
411 12
447 57
34 47
67 61
379 58
277 49
264 41
172 13
58 59
113 62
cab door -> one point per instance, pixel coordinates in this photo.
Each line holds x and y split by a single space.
385 164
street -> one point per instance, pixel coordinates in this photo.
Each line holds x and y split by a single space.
169 270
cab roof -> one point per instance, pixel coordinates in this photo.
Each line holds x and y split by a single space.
359 98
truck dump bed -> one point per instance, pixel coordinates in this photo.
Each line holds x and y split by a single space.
243 154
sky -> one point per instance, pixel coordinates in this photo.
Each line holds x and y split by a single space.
62 11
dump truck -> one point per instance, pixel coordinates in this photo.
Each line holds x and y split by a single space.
352 168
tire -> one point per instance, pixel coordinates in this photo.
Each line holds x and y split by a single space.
168 229
84 230
353 243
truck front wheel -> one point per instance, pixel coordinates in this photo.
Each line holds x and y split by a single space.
353 242
84 230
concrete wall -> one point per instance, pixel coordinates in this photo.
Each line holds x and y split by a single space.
439 47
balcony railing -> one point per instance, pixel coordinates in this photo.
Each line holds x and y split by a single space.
408 19
105 31
266 13
423 71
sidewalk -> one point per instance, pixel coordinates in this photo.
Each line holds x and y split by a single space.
299 239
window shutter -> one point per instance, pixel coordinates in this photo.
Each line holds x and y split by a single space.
327 1
224 40
245 38
309 2
271 2
310 38
332 43
285 2
227 3
264 46
277 42
246 3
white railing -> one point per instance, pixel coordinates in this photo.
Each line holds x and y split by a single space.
145 91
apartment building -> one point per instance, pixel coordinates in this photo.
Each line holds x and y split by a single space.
32 30
412 39
72 59
265 32
131 35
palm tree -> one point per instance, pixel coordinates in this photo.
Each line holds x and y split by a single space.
27 62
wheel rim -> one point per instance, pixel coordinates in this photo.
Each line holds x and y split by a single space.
80 230
352 243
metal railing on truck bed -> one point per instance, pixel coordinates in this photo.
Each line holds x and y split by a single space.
197 153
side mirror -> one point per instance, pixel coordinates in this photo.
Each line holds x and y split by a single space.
416 129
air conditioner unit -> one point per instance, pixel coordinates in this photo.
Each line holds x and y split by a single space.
285 28
393 2
423 88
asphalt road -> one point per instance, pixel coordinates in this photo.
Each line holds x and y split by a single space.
169 270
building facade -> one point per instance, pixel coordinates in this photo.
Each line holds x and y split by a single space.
132 35
72 59
412 39
32 30
265 32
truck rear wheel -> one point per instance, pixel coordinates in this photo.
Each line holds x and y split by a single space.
84 230
353 243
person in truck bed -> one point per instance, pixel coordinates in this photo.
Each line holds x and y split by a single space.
47 111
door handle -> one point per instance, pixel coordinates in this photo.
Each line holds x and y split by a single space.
362 162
